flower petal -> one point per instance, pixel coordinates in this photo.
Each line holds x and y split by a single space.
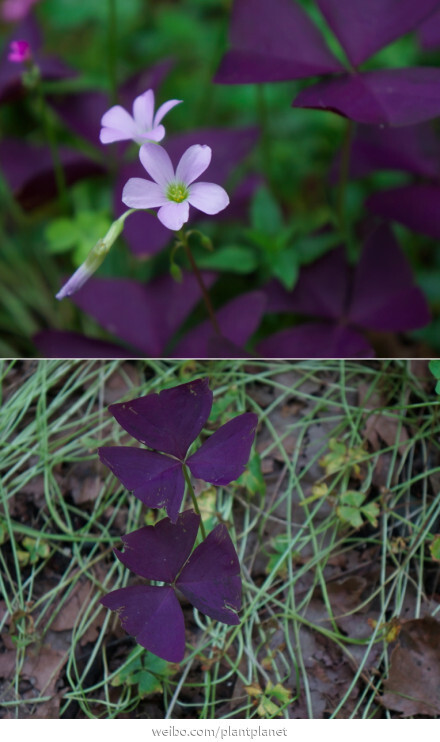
174 215
143 110
139 193
153 135
193 163
163 110
208 197
118 118
157 163
107 135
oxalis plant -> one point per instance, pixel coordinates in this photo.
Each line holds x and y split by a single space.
171 191
169 423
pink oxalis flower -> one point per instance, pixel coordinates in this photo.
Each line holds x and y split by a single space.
173 192
19 51
143 126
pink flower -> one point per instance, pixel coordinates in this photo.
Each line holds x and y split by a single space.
173 192
142 127
20 51
16 10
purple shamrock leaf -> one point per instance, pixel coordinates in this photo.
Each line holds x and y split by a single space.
209 579
273 41
378 294
413 149
365 27
167 547
397 97
429 32
169 422
202 342
155 479
223 457
66 344
416 206
153 616
29 172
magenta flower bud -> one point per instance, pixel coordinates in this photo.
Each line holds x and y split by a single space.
20 51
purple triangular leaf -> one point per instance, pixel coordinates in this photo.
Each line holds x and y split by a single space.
65 344
159 552
429 32
153 616
365 26
169 421
145 316
154 479
321 291
316 340
273 41
396 97
238 320
384 295
223 457
413 149
416 206
29 171
210 579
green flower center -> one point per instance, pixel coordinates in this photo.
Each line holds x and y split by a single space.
177 192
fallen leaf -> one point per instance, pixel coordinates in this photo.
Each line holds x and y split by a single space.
413 685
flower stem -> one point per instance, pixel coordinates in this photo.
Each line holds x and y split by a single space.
60 178
206 298
194 498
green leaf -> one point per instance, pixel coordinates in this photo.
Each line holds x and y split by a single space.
286 268
310 248
371 512
266 215
434 548
350 515
61 235
252 478
353 498
232 258
434 367
145 670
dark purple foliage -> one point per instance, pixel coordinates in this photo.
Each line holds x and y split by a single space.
397 97
412 149
377 294
363 27
273 41
169 422
238 320
209 578
28 169
417 206
147 317
429 32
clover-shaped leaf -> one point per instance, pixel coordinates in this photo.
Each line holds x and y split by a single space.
169 422
209 579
